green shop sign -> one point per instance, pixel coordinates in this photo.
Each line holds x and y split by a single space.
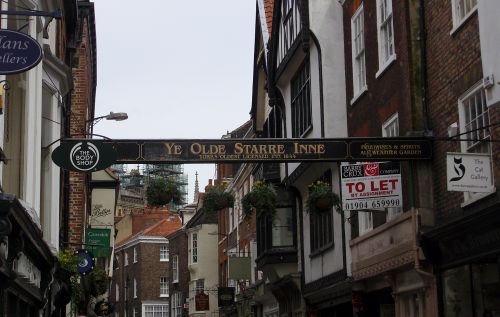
84 155
97 241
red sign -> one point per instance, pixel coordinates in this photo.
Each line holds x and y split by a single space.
202 302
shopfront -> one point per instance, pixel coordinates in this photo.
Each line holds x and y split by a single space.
466 255
26 262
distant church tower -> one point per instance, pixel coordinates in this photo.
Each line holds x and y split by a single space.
196 188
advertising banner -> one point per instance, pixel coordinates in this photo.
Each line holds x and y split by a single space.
469 172
371 185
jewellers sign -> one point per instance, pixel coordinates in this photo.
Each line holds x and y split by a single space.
19 52
469 172
84 155
371 185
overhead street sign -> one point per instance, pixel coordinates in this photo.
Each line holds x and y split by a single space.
255 150
271 150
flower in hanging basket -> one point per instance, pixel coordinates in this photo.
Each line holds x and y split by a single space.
262 198
217 198
160 192
321 198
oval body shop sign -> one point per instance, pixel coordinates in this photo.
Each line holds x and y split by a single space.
84 155
19 52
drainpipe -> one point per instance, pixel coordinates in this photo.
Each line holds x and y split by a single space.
416 245
423 68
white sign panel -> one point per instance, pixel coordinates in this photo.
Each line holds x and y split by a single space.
469 172
371 185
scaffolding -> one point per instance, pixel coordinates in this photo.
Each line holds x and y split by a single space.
135 180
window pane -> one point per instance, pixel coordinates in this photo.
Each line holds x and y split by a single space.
456 292
476 122
301 101
283 227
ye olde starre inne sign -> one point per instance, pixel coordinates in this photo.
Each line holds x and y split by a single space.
86 155
269 150
19 52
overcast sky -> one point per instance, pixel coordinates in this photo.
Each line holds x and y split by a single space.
180 69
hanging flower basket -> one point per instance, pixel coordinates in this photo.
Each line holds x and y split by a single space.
321 198
262 198
68 264
217 198
99 282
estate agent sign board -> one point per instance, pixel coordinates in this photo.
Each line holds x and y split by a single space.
469 172
371 185
19 52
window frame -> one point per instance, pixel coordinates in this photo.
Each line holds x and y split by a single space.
359 85
385 61
290 27
175 268
177 304
164 256
194 248
320 238
474 90
135 255
164 289
163 312
125 258
135 288
390 128
300 100
457 18
199 286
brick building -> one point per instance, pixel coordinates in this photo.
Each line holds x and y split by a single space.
237 245
140 285
178 273
462 59
384 99
77 201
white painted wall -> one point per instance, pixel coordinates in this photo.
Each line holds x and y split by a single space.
207 267
488 12
327 25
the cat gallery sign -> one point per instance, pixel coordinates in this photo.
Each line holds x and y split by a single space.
469 172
